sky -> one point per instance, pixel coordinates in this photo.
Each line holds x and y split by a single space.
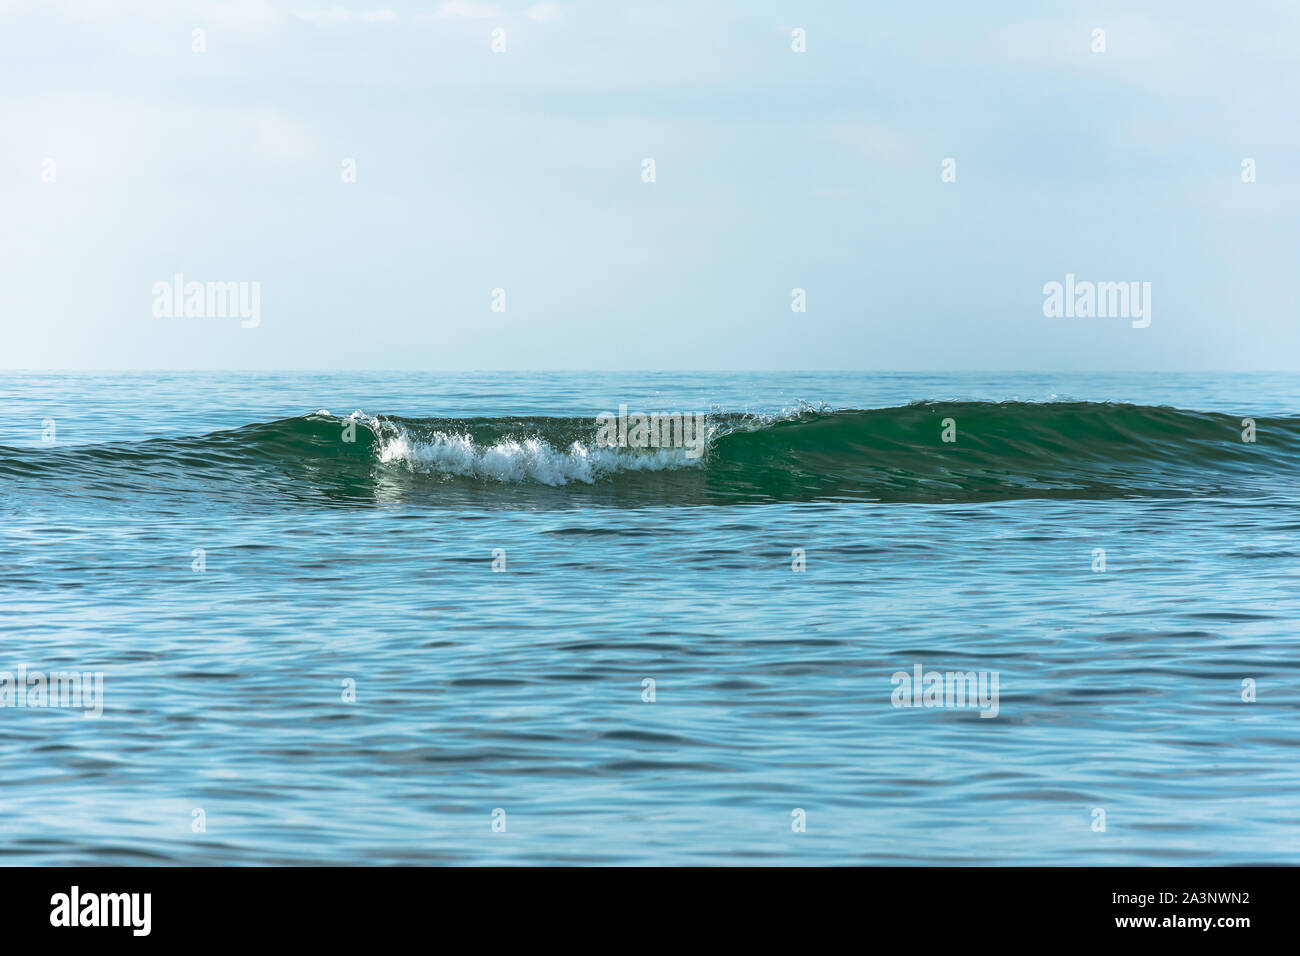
133 149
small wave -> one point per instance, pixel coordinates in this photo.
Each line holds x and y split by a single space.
997 451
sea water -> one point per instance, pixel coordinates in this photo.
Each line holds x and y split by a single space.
369 618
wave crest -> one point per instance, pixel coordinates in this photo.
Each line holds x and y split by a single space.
520 460
1002 451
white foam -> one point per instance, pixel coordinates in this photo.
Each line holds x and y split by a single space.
516 461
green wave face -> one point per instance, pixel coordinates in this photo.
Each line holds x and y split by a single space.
923 452
1005 451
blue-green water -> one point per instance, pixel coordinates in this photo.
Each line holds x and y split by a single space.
214 546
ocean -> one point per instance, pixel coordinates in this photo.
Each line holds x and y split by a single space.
428 618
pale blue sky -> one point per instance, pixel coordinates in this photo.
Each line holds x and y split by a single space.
775 170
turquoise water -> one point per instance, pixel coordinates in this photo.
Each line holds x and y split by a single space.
325 561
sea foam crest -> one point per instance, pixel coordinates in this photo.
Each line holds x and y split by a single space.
520 460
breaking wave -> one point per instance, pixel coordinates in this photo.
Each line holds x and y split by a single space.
997 451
